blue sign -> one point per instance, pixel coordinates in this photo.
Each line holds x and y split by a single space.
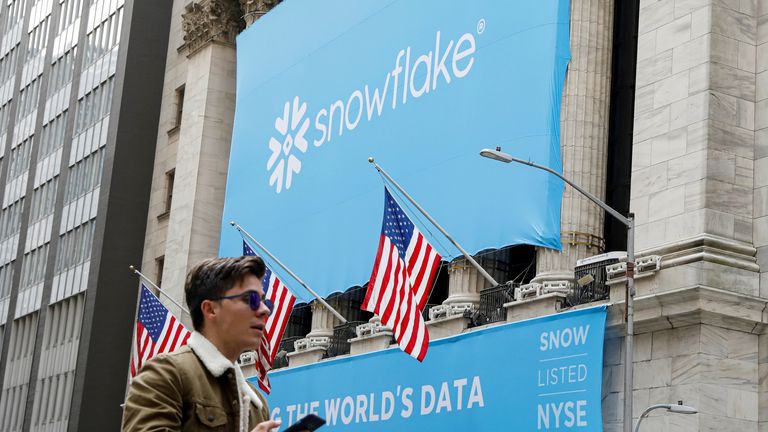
541 374
422 86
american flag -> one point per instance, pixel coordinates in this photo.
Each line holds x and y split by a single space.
157 331
283 300
402 279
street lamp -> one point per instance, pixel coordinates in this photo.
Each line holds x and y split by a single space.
673 408
629 222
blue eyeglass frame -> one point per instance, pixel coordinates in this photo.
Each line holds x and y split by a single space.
254 300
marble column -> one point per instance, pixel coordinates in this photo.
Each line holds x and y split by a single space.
465 282
323 321
209 31
210 28
583 138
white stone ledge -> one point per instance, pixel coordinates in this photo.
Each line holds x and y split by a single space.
371 342
307 356
691 305
542 305
447 326
706 247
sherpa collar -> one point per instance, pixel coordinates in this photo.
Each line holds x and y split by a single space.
217 364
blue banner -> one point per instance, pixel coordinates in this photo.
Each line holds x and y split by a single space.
422 86
541 374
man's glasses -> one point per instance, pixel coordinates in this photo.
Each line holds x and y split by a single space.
252 298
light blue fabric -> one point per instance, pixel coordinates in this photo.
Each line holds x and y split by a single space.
483 73
541 374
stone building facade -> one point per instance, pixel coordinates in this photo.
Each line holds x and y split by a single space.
697 184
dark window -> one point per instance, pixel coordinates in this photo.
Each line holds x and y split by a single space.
159 264
170 177
179 105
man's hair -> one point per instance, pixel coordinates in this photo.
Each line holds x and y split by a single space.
212 277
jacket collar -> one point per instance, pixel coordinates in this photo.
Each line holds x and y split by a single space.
211 357
217 364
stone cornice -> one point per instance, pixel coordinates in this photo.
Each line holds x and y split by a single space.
692 305
706 247
255 9
210 21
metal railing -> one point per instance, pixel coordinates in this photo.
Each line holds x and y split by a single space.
425 312
342 333
595 289
286 346
492 302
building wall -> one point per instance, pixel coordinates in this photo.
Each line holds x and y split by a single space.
193 142
699 190
166 152
64 150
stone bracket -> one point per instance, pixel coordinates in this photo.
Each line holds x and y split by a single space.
448 310
312 342
534 290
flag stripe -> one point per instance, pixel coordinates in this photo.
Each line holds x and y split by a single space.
283 301
402 279
157 331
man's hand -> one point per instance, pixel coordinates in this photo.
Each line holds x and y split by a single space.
267 426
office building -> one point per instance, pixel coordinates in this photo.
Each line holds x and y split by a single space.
80 82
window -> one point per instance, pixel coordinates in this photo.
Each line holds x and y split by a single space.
179 105
58 360
70 11
84 176
52 136
169 180
159 265
16 382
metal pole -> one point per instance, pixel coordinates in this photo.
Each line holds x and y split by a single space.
146 279
645 413
469 258
629 222
503 157
293 275
629 358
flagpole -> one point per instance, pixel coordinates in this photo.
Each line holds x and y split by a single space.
469 258
141 275
293 275
133 346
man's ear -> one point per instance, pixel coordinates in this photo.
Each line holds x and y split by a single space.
209 309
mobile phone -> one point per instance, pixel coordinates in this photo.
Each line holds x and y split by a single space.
308 423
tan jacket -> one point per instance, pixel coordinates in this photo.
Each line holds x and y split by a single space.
192 389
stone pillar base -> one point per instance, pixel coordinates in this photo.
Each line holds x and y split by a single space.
368 343
447 326
545 304
307 356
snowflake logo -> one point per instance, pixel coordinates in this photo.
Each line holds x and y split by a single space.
291 126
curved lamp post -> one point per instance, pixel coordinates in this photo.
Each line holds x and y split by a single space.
629 222
673 408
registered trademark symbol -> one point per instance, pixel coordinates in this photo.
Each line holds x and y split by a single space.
481 26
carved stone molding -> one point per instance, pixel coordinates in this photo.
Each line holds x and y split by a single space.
208 21
255 9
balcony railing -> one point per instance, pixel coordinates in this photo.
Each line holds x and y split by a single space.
492 302
286 346
590 282
340 340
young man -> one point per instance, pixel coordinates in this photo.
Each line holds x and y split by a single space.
200 386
